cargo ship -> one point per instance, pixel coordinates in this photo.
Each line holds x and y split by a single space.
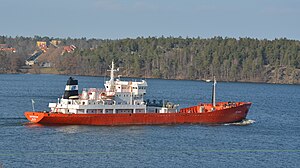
122 103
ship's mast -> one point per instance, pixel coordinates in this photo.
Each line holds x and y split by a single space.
214 92
112 78
112 70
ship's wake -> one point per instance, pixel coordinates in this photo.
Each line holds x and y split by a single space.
242 123
16 121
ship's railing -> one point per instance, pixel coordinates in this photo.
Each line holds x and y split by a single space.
98 90
161 103
205 107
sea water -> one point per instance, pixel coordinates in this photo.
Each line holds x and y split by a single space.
273 140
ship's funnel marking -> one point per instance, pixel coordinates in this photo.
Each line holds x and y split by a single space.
71 89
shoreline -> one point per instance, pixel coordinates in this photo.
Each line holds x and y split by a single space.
202 80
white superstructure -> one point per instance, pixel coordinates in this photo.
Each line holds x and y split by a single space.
117 97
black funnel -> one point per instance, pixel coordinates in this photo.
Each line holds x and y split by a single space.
71 90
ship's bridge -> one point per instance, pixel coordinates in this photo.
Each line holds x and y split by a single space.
136 88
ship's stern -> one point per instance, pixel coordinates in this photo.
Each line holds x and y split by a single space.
34 117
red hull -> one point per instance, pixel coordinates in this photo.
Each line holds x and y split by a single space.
227 115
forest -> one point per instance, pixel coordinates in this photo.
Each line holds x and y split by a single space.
229 59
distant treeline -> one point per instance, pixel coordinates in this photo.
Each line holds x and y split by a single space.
229 59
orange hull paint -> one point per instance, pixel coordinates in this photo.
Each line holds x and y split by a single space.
187 115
